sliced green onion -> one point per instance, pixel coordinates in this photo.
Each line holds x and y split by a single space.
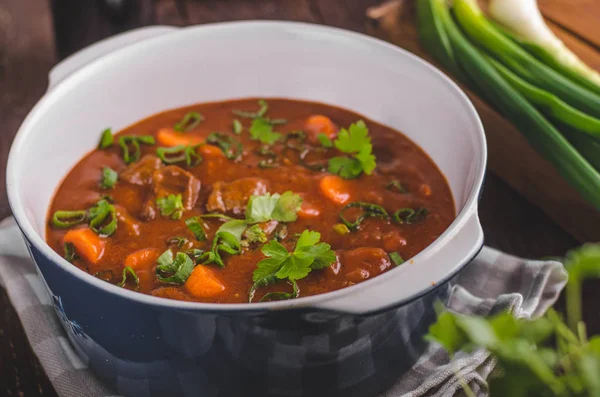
133 140
341 229
106 275
370 210
189 122
179 241
409 216
128 271
263 282
65 219
231 147
181 153
396 258
98 215
195 226
395 186
69 252
253 115
178 269
278 296
109 178
237 127
316 166
106 139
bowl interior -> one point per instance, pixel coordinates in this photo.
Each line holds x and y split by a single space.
259 59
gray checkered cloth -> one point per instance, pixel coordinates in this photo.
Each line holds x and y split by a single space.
494 282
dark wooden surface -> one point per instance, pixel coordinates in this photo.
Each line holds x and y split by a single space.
30 43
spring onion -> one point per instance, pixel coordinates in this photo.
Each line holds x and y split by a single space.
237 127
409 216
231 147
395 186
369 210
69 252
278 296
128 271
98 216
106 139
526 24
109 178
132 140
195 226
263 107
483 33
64 219
181 153
189 122
396 258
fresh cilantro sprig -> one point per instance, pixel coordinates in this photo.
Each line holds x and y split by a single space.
280 264
172 269
355 142
280 207
171 206
538 357
262 130
109 178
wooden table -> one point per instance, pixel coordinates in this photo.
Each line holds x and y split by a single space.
31 41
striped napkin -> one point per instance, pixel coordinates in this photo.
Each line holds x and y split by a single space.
493 282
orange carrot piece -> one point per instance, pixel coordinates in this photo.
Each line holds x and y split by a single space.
142 259
334 188
202 283
321 124
308 210
170 137
86 243
210 152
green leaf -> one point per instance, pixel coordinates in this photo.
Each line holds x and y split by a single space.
69 252
409 216
171 206
181 153
195 226
346 167
261 130
369 210
178 270
325 141
237 127
64 219
366 159
179 241
189 122
277 207
396 258
106 139
109 178
234 227
447 333
308 238
252 115
130 146
128 271
231 147
278 296
165 258
356 142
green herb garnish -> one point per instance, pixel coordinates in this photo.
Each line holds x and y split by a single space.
356 143
189 122
179 241
106 139
195 226
181 153
128 271
174 270
134 140
231 147
409 216
109 178
396 258
253 115
261 130
69 252
277 207
279 296
255 234
171 206
64 219
98 216
237 127
369 210
395 186
325 141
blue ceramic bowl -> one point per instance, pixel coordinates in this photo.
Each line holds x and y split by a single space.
352 342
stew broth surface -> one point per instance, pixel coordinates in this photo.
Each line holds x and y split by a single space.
361 254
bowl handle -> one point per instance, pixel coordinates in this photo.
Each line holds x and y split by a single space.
457 249
81 58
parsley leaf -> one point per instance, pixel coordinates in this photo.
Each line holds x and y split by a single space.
127 270
109 178
178 269
267 207
262 130
255 234
195 226
308 255
237 127
172 206
231 147
106 139
325 141
356 143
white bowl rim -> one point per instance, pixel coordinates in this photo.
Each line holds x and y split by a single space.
468 211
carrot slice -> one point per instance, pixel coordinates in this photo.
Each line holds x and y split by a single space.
308 210
210 152
334 188
142 259
86 243
202 283
170 137
321 124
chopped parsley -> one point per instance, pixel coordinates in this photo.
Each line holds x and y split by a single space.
237 127
356 143
181 153
255 234
277 207
179 241
261 130
195 226
171 206
109 178
128 271
231 147
69 252
325 141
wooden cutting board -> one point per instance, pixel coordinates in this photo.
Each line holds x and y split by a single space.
509 154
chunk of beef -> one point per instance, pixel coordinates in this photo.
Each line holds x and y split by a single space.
127 222
175 180
140 173
233 196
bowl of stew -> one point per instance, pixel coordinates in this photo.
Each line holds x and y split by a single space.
249 208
